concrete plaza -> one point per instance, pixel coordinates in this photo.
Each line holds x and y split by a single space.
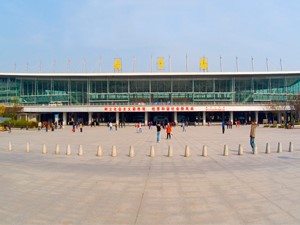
38 189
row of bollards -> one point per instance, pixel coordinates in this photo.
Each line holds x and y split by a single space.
187 152
268 149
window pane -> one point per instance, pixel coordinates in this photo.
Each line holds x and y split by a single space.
182 86
161 86
139 86
118 86
203 85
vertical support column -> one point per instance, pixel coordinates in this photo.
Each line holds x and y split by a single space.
204 118
117 117
231 116
64 118
175 118
279 121
146 118
256 117
90 117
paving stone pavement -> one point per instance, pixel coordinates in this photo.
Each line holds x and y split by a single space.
38 189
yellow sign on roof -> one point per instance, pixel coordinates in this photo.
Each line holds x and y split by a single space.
160 63
203 63
118 64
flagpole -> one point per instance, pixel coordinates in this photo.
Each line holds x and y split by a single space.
280 64
252 63
169 63
54 65
186 63
40 66
267 64
221 67
151 64
237 64
100 65
133 64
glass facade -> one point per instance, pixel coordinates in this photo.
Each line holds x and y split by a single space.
142 89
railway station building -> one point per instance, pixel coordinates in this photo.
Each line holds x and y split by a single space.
195 97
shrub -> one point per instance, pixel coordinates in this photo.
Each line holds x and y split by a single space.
20 123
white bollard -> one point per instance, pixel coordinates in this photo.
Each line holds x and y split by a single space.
187 152
170 151
131 151
44 150
291 147
204 151
27 147
114 151
241 150
255 151
226 153
57 149
9 146
68 151
99 151
279 148
80 150
268 150
152 151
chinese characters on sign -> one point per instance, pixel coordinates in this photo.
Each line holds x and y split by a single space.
215 108
164 109
149 109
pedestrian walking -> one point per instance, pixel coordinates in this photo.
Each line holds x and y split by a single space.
80 126
169 130
39 125
253 134
223 126
183 127
158 129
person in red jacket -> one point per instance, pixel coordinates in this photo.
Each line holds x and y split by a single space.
169 131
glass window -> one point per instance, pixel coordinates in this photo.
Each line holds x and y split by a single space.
261 85
160 86
203 86
223 86
243 91
139 86
293 85
3 84
27 87
78 91
98 86
278 85
43 87
243 85
118 86
182 86
60 87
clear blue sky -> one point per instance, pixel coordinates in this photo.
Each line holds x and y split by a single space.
49 32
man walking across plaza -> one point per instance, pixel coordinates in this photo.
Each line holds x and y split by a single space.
252 134
158 129
223 126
